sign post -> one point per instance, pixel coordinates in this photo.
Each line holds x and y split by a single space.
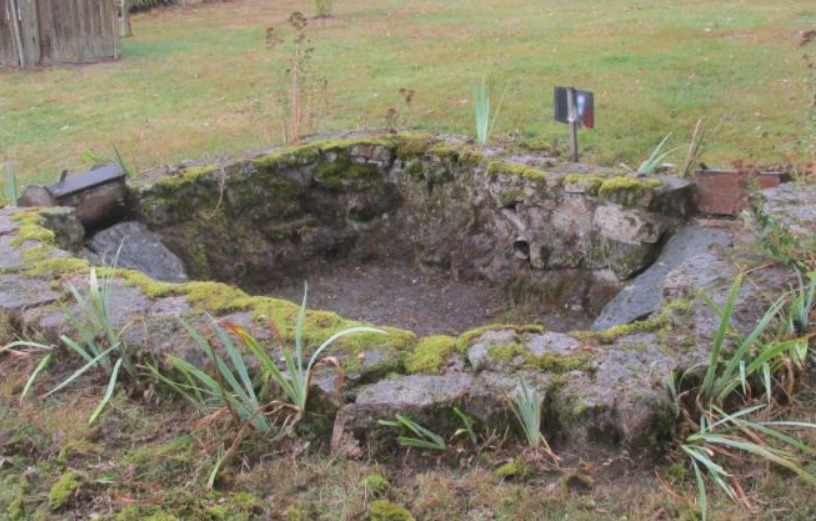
576 108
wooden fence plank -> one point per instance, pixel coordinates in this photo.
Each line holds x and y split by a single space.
30 31
8 49
46 23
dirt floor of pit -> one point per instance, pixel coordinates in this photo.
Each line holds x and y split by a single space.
425 301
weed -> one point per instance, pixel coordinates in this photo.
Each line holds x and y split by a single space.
394 117
231 389
116 158
728 435
695 150
99 343
527 408
296 102
467 426
730 380
423 438
482 110
655 162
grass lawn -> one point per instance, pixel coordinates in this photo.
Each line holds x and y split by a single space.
201 82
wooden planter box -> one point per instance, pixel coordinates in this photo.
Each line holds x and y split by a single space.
726 192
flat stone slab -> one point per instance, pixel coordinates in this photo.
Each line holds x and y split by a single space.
142 250
643 295
18 293
7 225
792 205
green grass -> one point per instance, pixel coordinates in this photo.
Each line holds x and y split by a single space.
201 82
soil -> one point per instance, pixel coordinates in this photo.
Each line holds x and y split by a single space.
425 301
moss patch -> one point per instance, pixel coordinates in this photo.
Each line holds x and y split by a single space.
334 175
384 510
515 469
56 265
502 168
413 146
377 484
63 490
656 322
430 354
626 189
33 233
590 183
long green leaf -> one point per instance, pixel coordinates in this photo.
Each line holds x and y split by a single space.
779 457
30 382
109 393
238 364
701 490
725 324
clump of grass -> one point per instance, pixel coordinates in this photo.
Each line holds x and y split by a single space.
527 408
423 438
774 350
231 388
99 344
485 116
296 102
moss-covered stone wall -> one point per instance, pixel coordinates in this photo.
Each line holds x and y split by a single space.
418 197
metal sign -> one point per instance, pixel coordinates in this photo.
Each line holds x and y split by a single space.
584 106
576 108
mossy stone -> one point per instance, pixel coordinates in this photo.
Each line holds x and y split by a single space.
626 190
497 169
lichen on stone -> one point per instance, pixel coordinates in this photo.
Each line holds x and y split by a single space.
466 339
549 362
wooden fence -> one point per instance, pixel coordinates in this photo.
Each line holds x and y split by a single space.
35 32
